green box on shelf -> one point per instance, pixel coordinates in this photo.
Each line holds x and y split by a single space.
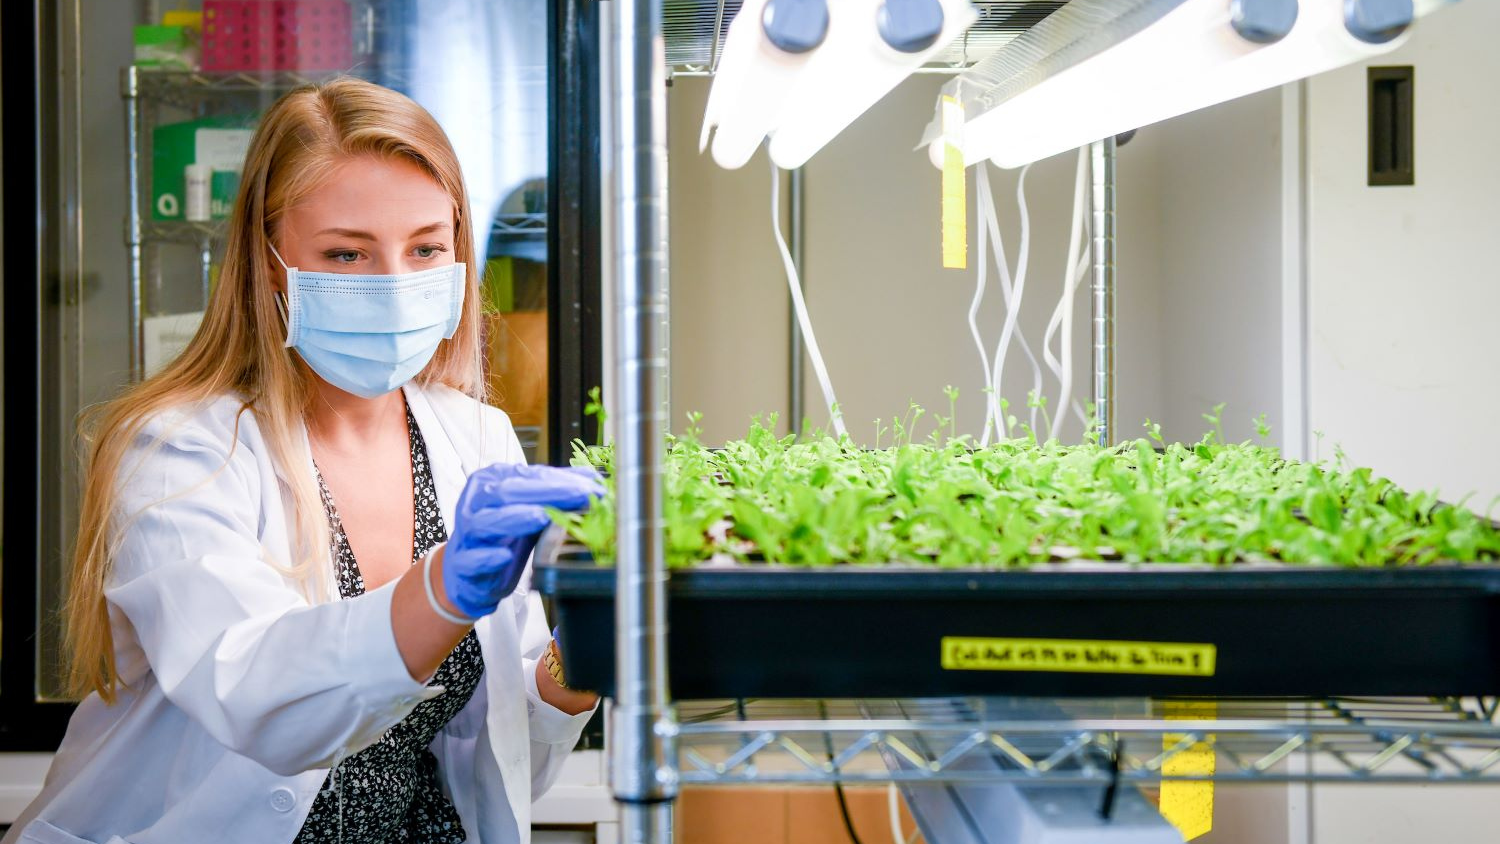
169 47
220 142
223 187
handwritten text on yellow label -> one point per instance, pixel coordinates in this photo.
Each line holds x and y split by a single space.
1092 656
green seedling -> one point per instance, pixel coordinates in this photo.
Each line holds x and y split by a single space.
820 501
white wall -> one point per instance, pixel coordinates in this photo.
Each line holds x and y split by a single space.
891 321
729 298
1403 297
1220 200
1403 342
1198 256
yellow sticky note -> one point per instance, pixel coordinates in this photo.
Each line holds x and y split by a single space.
955 199
1188 805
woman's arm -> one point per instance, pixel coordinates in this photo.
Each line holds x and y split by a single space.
230 641
424 638
554 728
570 701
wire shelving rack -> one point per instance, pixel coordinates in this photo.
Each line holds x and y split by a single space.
1090 741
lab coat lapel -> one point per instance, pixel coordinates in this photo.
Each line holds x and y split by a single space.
449 469
454 453
455 448
301 448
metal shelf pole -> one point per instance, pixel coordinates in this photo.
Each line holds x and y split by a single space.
1102 207
130 89
797 193
643 739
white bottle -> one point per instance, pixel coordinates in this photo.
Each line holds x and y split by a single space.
197 179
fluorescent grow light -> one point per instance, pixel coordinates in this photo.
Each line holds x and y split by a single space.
1188 58
800 71
751 85
850 73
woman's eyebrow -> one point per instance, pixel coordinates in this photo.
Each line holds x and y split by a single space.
354 233
363 235
431 227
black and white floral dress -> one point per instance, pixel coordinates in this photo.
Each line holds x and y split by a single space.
391 791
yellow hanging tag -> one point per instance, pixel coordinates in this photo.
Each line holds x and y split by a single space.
955 201
1188 804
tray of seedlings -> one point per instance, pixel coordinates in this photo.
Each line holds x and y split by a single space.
814 568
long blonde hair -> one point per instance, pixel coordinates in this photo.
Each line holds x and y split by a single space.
239 347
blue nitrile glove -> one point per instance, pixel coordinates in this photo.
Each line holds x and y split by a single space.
495 526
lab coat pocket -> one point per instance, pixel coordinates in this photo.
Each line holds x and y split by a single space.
41 832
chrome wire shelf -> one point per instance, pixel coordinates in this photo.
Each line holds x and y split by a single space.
1087 742
695 31
528 223
183 231
189 86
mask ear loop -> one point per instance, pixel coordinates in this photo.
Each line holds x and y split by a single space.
286 321
283 300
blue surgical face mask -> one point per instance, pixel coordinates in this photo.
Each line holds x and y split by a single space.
370 334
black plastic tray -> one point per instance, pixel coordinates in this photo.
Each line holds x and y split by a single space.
769 631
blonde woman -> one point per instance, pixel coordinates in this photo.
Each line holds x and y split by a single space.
299 607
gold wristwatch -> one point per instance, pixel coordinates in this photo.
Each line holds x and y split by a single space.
553 660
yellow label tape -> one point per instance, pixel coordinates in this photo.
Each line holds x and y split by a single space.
1187 804
955 199
1089 656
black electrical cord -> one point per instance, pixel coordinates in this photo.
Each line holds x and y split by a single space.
838 786
838 790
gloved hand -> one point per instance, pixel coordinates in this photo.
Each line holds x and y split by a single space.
496 524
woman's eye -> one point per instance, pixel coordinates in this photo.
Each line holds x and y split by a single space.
346 257
428 251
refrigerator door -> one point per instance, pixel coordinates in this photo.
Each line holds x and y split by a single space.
145 115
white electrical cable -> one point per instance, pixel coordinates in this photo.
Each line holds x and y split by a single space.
1020 286
1013 294
1063 313
898 835
992 402
1080 272
1052 361
988 222
804 322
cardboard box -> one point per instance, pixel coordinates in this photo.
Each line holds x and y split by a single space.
784 815
518 365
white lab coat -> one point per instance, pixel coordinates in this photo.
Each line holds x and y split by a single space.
241 695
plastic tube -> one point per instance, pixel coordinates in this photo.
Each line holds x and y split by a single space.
1063 314
1013 300
804 322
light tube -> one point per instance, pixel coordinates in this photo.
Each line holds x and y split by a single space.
850 72
1189 59
751 85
